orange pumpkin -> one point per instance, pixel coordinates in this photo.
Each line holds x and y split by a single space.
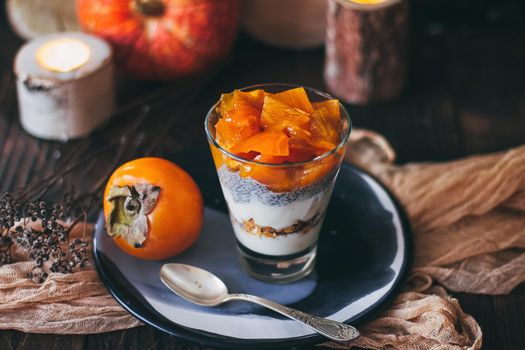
153 208
163 39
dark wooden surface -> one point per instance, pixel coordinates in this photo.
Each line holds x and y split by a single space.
465 95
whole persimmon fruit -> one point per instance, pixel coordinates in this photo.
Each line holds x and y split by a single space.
153 208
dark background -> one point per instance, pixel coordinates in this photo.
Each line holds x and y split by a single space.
465 95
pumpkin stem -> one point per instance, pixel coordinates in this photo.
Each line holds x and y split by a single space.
150 8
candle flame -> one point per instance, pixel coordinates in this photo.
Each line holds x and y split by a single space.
63 54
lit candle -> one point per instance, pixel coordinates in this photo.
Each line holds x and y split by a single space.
65 85
63 55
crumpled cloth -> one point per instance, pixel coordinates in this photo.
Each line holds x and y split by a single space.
468 222
469 234
76 303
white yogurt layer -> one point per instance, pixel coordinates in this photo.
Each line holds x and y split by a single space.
280 245
278 217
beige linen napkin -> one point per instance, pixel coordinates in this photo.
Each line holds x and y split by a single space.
469 236
469 232
76 303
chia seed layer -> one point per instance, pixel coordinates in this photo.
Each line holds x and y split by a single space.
244 189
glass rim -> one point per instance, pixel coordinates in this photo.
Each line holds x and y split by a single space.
341 144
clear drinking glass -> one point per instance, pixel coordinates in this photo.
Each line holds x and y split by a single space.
277 226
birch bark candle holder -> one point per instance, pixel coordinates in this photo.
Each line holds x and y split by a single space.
366 49
65 85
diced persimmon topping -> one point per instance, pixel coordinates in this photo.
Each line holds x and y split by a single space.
252 100
240 117
296 98
278 115
278 129
229 134
239 104
324 128
267 143
332 106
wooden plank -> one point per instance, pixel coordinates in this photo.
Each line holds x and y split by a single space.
25 341
500 317
142 338
6 340
510 329
120 340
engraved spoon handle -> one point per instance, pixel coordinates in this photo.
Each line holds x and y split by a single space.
331 329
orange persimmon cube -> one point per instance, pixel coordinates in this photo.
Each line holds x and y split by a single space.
297 98
278 115
268 142
239 105
300 150
275 177
315 171
299 132
332 106
228 133
225 104
253 99
324 127
243 117
304 145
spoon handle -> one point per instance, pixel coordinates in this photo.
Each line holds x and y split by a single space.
331 329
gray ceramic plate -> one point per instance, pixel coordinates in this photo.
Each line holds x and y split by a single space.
364 253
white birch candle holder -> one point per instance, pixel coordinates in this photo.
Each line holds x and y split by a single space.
65 85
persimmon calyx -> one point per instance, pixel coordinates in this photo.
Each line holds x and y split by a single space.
130 207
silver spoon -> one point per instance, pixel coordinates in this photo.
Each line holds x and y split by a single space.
204 288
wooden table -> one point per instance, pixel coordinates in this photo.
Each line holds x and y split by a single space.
466 95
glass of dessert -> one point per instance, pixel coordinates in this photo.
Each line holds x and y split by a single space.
277 149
